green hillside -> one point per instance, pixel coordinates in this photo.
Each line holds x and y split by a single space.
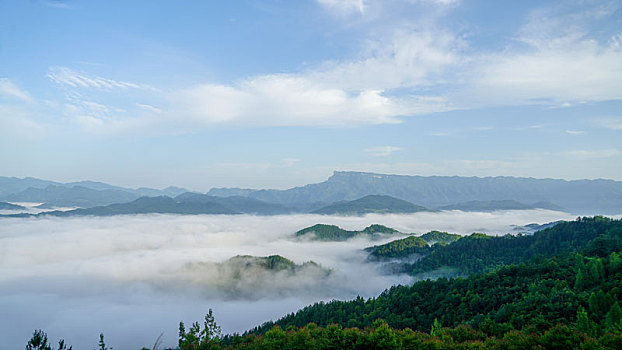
433 237
399 248
371 204
579 288
324 232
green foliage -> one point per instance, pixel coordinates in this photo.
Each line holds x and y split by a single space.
324 232
399 248
481 253
571 288
39 341
198 338
436 328
433 237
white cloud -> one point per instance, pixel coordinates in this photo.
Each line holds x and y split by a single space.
382 151
11 90
344 7
575 132
407 59
149 108
289 162
591 154
293 100
406 70
562 62
611 123
66 76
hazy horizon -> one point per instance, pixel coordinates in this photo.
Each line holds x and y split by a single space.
206 189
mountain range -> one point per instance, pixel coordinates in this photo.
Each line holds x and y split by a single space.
346 193
576 196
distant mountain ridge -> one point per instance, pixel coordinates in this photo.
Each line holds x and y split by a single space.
577 196
186 203
83 194
9 206
584 197
371 204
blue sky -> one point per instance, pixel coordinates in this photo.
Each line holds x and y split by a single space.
275 94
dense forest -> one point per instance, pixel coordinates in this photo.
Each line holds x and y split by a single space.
324 232
566 295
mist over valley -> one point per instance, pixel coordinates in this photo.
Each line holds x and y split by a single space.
84 273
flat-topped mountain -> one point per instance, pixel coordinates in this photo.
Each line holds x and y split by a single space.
380 204
577 196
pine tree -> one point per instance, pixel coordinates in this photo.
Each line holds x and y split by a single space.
436 328
584 324
39 341
613 320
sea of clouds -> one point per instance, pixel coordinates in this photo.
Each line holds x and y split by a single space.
135 277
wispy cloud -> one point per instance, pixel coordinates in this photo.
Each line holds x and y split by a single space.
382 151
591 154
613 123
11 90
289 162
575 132
553 60
562 62
66 76
344 7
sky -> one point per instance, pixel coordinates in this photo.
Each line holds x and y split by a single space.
275 94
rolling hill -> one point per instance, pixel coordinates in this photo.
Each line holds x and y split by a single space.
371 204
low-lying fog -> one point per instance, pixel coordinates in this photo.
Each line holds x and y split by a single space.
134 277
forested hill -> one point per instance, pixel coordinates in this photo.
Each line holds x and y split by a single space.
580 289
480 253
325 232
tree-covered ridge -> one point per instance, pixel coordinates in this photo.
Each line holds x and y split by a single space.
480 253
255 277
572 289
406 248
371 204
433 237
381 336
325 232
272 262
399 248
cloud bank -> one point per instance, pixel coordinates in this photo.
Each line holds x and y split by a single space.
133 277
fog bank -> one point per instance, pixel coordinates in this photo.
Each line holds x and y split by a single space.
134 277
